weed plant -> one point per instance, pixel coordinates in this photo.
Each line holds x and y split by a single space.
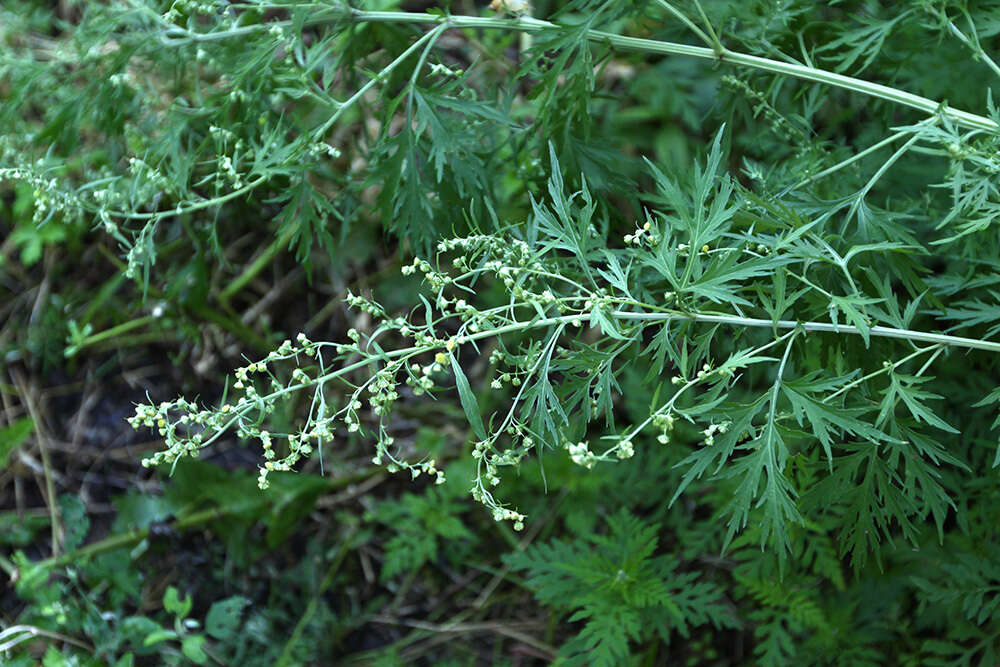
706 312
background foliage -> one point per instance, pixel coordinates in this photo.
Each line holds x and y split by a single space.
708 317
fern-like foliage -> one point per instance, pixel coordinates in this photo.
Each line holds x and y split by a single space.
621 589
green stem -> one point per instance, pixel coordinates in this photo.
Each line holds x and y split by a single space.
885 369
637 428
686 21
716 42
772 408
23 633
7 565
244 333
974 45
41 439
877 331
115 331
257 266
527 24
381 76
726 56
181 209
859 198
851 160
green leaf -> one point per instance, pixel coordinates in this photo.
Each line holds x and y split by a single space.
468 399
605 324
173 604
850 307
863 43
824 418
224 617
761 473
13 436
75 522
619 587
904 387
408 552
157 636
191 647
18 530
54 658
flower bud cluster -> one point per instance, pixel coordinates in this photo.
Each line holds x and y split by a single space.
49 198
509 259
505 378
120 80
298 447
444 70
711 430
664 422
184 435
382 390
179 9
228 174
148 181
186 429
453 320
323 149
366 305
383 457
421 377
599 300
500 513
581 455
625 449
436 279
518 365
643 236
757 248
762 106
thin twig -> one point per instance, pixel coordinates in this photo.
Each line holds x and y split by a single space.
41 439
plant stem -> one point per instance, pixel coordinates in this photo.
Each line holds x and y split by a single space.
637 428
876 331
879 331
381 76
182 209
851 160
115 331
41 439
257 266
686 21
23 633
974 45
527 24
885 369
726 56
7 565
244 333
716 42
860 196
